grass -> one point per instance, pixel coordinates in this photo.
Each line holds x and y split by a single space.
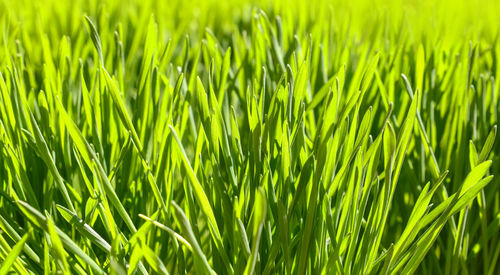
249 137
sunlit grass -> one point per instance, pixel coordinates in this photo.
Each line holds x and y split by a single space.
249 137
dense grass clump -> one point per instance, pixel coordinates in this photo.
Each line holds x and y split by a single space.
249 137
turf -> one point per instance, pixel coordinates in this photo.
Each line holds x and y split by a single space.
249 137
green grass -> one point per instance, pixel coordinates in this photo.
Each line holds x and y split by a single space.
249 137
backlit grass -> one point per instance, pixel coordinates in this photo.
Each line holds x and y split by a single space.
249 137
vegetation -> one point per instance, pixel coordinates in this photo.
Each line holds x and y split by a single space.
249 137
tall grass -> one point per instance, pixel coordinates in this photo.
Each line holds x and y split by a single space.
249 137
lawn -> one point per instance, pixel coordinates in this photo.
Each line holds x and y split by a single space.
249 137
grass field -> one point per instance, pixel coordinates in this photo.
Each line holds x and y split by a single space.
249 137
